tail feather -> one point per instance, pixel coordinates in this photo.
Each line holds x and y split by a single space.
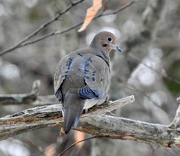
73 106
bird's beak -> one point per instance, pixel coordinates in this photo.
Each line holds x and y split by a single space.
116 47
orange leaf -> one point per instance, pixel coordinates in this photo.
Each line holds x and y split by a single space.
91 12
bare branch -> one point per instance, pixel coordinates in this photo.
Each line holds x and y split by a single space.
31 98
166 76
24 99
94 122
24 43
127 129
118 10
78 24
15 99
113 105
150 19
21 43
176 121
43 116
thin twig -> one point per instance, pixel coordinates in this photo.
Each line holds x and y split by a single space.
77 142
133 88
24 43
51 34
20 44
78 24
167 77
118 10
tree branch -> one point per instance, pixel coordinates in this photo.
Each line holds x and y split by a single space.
94 122
176 121
44 116
78 24
26 99
127 129
46 24
31 98
150 19
24 43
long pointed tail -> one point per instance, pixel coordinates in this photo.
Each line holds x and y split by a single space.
73 106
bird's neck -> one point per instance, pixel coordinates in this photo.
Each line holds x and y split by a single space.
100 52
104 56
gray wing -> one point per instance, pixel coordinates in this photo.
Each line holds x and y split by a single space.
97 77
60 73
95 71
71 67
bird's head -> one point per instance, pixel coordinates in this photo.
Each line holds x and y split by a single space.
105 41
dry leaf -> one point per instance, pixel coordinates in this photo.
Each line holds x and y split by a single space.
91 12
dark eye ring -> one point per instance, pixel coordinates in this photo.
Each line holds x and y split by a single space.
109 39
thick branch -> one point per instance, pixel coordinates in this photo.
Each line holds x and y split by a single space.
31 98
176 121
94 122
43 116
127 129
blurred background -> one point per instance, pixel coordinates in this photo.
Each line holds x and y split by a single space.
148 68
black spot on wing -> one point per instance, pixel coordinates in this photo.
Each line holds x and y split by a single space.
80 54
68 63
86 71
86 77
87 62
90 60
94 73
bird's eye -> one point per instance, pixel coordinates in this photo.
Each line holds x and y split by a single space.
109 39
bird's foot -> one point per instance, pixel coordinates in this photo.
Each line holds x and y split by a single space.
62 132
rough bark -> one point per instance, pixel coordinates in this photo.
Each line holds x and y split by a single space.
94 122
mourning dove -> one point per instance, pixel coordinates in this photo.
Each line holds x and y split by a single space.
82 78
